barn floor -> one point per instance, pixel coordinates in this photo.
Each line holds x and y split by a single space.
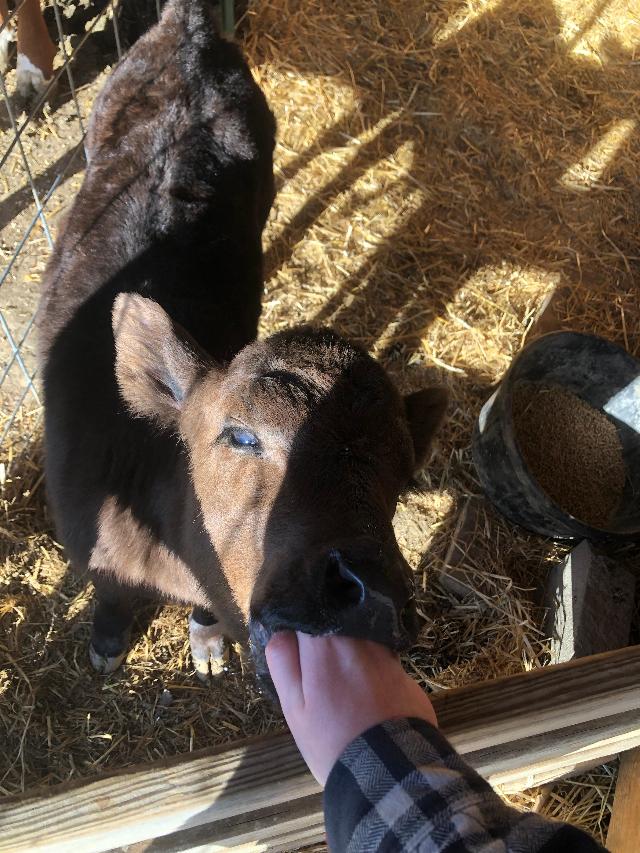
441 167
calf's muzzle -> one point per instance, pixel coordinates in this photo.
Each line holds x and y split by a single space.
357 590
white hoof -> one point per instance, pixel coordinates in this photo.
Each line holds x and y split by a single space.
105 665
29 78
6 37
207 649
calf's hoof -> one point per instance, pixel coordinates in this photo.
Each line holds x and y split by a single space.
107 651
29 78
207 649
104 664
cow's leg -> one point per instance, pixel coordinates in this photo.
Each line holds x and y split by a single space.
112 621
207 643
34 67
7 35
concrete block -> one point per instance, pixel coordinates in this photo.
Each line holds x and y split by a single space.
590 605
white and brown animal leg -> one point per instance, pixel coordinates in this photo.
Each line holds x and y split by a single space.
112 621
7 35
207 643
34 68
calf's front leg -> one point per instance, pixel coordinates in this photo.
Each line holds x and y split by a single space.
207 643
112 621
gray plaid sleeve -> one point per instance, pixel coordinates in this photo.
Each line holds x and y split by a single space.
402 787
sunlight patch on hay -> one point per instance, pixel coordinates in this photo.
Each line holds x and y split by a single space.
5 681
589 172
466 14
494 301
594 29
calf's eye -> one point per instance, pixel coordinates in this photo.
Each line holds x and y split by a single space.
240 438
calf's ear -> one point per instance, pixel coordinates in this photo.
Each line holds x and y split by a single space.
425 411
156 363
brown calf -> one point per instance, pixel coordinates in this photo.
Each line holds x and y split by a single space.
254 480
35 49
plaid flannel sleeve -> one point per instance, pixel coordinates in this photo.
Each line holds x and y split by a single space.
402 787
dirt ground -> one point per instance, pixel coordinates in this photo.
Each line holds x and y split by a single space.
441 167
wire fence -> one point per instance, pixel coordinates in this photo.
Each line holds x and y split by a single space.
41 154
30 159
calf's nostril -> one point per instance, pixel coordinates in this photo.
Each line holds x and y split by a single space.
343 588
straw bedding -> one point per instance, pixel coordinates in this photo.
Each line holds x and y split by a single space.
441 168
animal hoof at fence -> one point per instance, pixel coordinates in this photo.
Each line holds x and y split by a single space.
209 666
104 664
207 649
29 79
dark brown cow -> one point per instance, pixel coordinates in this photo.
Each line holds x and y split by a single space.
254 480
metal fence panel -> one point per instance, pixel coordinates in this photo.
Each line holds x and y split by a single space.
41 149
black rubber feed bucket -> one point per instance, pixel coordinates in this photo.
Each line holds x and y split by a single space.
602 375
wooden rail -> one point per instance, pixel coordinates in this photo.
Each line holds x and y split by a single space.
257 794
624 829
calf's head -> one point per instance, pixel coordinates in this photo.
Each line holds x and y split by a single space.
299 449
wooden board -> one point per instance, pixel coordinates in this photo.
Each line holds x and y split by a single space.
258 795
295 825
624 830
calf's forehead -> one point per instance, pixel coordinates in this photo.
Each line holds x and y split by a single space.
263 401
271 390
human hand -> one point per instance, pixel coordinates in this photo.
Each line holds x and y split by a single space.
332 689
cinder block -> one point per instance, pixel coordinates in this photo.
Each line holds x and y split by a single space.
590 605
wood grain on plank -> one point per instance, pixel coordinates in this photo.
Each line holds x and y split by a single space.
624 830
156 799
542 758
293 826
517 730
533 703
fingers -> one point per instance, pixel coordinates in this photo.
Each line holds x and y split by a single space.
317 663
283 660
